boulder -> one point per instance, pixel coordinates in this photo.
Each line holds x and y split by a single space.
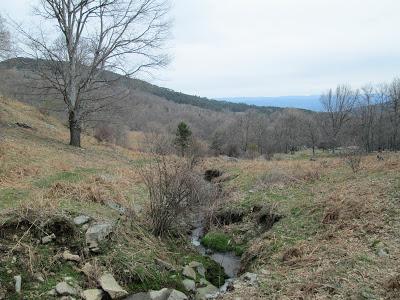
18 284
189 285
80 220
164 265
189 272
93 294
208 292
97 233
160 295
111 286
139 296
70 257
64 289
177 295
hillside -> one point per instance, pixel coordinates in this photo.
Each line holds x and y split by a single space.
306 229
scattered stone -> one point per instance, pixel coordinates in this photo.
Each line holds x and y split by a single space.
165 265
93 294
88 270
111 286
52 292
250 278
39 277
71 257
96 233
139 296
195 264
18 284
189 272
116 206
81 220
177 295
203 282
189 285
48 239
160 295
208 292
382 252
64 289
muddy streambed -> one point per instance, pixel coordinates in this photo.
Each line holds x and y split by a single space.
229 261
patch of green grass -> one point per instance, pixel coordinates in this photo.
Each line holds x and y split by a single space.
68 176
11 196
221 242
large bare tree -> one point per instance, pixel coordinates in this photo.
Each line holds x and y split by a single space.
5 40
81 40
338 105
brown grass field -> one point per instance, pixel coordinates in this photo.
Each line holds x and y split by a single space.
338 238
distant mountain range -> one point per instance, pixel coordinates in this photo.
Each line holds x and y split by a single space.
304 102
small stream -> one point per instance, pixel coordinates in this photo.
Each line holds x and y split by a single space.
229 261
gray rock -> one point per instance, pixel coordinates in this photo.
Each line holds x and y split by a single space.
250 278
195 264
97 233
189 285
111 286
52 292
208 292
93 294
49 238
177 295
39 277
139 296
116 206
64 289
80 220
189 272
382 252
160 295
71 257
18 284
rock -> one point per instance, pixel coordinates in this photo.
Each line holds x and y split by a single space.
88 270
116 206
139 296
39 277
52 292
49 238
189 285
208 292
165 265
64 289
18 284
203 282
189 272
177 295
80 220
160 295
209 252
195 264
93 294
250 278
97 233
199 268
382 252
71 257
111 286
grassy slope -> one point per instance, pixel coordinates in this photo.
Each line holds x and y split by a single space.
42 177
335 223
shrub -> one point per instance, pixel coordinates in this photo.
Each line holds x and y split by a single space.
174 189
353 159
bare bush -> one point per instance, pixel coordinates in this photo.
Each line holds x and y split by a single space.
174 189
353 159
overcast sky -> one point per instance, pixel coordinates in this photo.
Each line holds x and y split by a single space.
228 48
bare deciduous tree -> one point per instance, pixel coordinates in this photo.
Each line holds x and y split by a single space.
338 106
93 37
5 40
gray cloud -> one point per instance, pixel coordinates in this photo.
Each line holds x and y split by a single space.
275 47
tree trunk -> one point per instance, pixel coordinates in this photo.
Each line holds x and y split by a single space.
74 130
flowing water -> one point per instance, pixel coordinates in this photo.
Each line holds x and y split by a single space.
229 261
